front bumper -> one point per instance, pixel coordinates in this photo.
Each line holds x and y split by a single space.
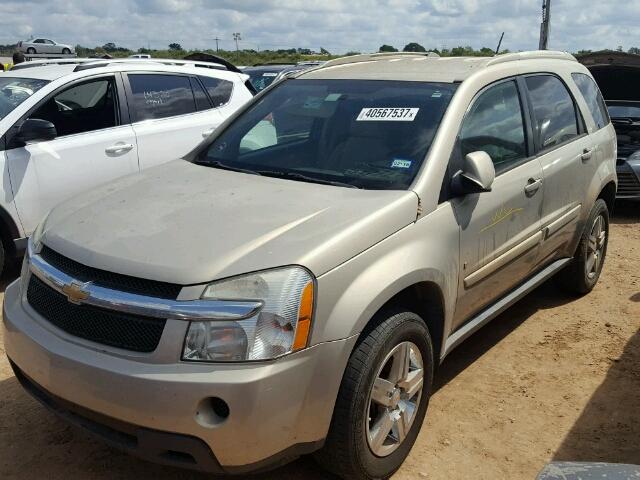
628 179
278 408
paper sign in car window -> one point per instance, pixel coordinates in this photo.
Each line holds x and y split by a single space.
269 74
387 114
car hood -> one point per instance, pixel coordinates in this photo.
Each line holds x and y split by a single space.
187 224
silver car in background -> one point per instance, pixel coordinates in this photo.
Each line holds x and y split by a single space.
42 45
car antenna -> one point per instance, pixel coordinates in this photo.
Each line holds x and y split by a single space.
499 44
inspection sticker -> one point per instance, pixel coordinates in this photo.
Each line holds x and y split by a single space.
388 114
400 163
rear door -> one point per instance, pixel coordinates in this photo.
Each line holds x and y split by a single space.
500 230
171 114
568 158
95 144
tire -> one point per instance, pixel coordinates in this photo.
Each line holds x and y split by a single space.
66 51
31 51
5 263
583 273
352 449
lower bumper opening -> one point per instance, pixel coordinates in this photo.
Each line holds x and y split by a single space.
156 446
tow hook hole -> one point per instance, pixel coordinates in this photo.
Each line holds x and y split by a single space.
211 412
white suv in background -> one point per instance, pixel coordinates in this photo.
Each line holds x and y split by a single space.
66 128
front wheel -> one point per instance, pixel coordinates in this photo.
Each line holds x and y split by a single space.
66 51
382 400
31 51
583 273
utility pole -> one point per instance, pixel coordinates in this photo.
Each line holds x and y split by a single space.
217 40
237 37
544 27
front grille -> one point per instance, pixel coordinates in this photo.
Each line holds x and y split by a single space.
114 281
628 183
121 330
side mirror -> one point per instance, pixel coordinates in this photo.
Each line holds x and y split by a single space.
35 130
476 176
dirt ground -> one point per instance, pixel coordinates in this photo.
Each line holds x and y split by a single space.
553 378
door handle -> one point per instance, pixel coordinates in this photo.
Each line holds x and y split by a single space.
532 186
586 155
118 148
206 133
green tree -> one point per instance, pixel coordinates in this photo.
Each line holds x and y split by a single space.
175 46
324 52
109 47
634 50
414 47
387 48
349 54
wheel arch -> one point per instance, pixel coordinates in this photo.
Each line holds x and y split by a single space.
608 194
424 299
8 232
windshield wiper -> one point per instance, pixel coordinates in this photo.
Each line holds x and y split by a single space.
304 178
224 166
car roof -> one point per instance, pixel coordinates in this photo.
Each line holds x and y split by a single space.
57 68
428 67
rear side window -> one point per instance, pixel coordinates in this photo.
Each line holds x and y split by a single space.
593 97
494 125
160 96
219 90
556 119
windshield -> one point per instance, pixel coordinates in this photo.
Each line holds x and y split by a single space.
261 78
624 110
361 133
14 91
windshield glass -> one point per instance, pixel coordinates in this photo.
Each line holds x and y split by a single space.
14 91
362 133
624 110
261 78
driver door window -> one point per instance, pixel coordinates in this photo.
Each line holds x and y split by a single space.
495 125
82 108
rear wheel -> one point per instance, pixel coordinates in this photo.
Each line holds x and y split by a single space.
382 400
31 50
583 273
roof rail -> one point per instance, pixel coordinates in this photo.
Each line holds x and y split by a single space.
372 57
44 63
533 55
98 63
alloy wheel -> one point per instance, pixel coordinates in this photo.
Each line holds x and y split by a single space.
595 247
394 399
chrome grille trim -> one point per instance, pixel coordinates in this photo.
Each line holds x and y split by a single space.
190 310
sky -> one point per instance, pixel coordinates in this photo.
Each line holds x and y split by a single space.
337 25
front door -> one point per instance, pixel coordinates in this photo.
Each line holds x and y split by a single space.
92 147
500 230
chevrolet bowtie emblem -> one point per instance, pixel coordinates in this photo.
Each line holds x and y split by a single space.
75 292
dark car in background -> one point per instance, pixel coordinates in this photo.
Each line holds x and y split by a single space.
261 76
618 76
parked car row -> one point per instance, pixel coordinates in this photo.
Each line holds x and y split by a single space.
67 128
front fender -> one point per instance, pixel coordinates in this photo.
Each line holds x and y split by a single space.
351 294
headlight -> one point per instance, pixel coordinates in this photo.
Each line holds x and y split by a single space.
282 326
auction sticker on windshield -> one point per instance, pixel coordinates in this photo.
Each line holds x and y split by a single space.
388 114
